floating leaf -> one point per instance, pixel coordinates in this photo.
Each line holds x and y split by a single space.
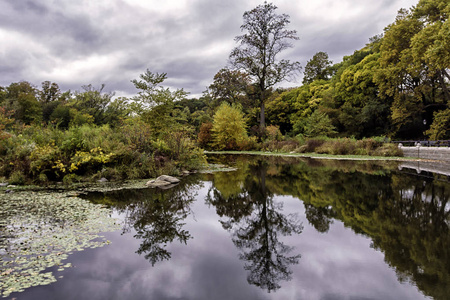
41 230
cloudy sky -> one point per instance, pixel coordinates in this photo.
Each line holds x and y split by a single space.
74 43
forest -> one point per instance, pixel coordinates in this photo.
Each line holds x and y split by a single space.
394 88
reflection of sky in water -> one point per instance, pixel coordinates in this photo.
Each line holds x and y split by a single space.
338 264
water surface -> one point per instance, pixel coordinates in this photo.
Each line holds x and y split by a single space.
277 228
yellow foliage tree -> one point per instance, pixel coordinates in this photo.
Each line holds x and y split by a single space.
229 127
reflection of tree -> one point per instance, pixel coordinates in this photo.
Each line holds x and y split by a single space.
319 217
160 224
256 221
156 216
406 216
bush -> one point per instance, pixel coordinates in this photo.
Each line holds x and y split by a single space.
388 150
310 145
204 137
229 128
273 133
343 146
17 178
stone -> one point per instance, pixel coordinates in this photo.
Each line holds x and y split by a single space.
168 179
3 184
157 183
163 182
103 179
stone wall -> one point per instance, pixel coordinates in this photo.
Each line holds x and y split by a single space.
436 153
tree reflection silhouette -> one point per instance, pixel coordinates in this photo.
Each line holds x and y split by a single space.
406 215
320 217
256 221
159 223
155 215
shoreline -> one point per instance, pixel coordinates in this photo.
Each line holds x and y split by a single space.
326 156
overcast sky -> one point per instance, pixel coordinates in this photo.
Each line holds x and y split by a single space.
74 43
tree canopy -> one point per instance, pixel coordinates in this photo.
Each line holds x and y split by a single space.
266 36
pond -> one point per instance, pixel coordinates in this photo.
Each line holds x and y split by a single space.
275 228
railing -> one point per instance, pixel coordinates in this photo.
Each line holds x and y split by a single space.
440 143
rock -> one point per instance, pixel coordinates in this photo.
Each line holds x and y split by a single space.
103 179
168 179
157 183
11 186
8 191
163 181
3 184
185 173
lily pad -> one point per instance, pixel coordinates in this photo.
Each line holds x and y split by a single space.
40 229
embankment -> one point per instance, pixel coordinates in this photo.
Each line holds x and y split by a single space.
433 153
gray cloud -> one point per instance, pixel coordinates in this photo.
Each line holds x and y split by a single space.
74 43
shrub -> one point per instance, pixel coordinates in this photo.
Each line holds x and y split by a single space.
273 133
17 178
229 127
343 146
388 150
47 160
250 143
204 137
71 178
311 145
138 135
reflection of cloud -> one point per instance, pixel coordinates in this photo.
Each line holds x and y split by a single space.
341 265
116 40
336 265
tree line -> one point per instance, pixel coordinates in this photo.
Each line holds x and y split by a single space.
396 87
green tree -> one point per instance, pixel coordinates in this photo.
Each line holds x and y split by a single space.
229 127
440 129
317 68
231 86
155 102
93 101
49 92
50 97
414 65
360 111
319 124
21 97
266 36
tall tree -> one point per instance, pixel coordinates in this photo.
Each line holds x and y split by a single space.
155 102
264 38
50 92
93 101
318 67
230 86
21 97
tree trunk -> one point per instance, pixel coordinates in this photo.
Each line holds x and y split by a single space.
262 119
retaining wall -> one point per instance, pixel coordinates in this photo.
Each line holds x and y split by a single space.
436 153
